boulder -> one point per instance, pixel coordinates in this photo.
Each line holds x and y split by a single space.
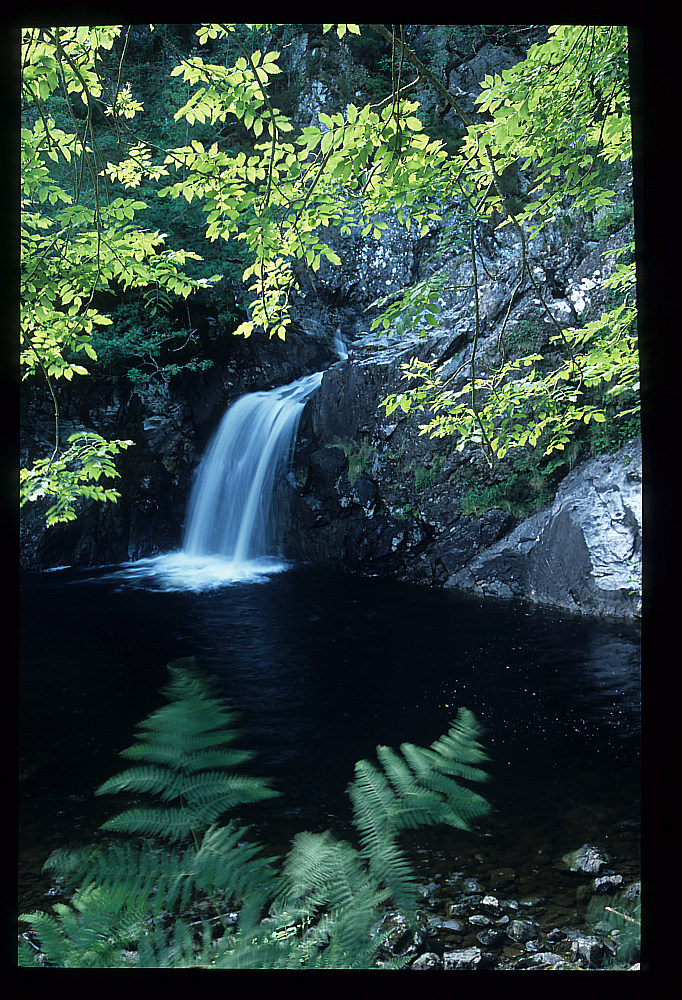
587 950
546 960
608 883
581 552
522 931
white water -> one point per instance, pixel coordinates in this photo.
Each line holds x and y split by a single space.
229 509
228 538
340 345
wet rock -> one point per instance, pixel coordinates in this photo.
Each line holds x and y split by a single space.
479 920
401 939
556 935
491 938
491 905
587 858
587 950
325 467
633 891
576 553
468 958
608 883
454 926
543 960
364 491
429 961
522 931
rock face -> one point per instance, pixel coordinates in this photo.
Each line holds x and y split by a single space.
575 554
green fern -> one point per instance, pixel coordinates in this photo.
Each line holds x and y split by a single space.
416 789
133 897
323 916
185 761
93 932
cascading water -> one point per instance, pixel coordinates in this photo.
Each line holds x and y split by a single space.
229 509
228 538
339 345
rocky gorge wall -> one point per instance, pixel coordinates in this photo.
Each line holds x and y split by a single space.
366 492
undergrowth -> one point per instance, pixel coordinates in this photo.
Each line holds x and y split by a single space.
180 885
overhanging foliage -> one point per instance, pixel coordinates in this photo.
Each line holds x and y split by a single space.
561 116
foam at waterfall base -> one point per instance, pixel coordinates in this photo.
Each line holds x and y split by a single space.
183 571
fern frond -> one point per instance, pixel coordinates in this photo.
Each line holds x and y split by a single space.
171 824
183 760
158 949
153 780
323 916
93 932
397 771
50 933
235 869
417 788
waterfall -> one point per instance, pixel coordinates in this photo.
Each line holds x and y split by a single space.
227 537
339 345
230 505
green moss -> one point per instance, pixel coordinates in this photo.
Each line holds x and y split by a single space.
525 336
522 492
610 223
426 476
360 457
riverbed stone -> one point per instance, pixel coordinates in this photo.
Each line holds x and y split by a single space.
588 858
522 931
633 891
545 960
491 937
608 883
428 961
441 923
491 905
401 939
468 958
588 950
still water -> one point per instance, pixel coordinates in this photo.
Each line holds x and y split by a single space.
322 667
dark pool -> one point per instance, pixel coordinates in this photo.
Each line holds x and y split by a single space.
322 667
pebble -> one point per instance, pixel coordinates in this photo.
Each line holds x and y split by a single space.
522 931
608 883
429 960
